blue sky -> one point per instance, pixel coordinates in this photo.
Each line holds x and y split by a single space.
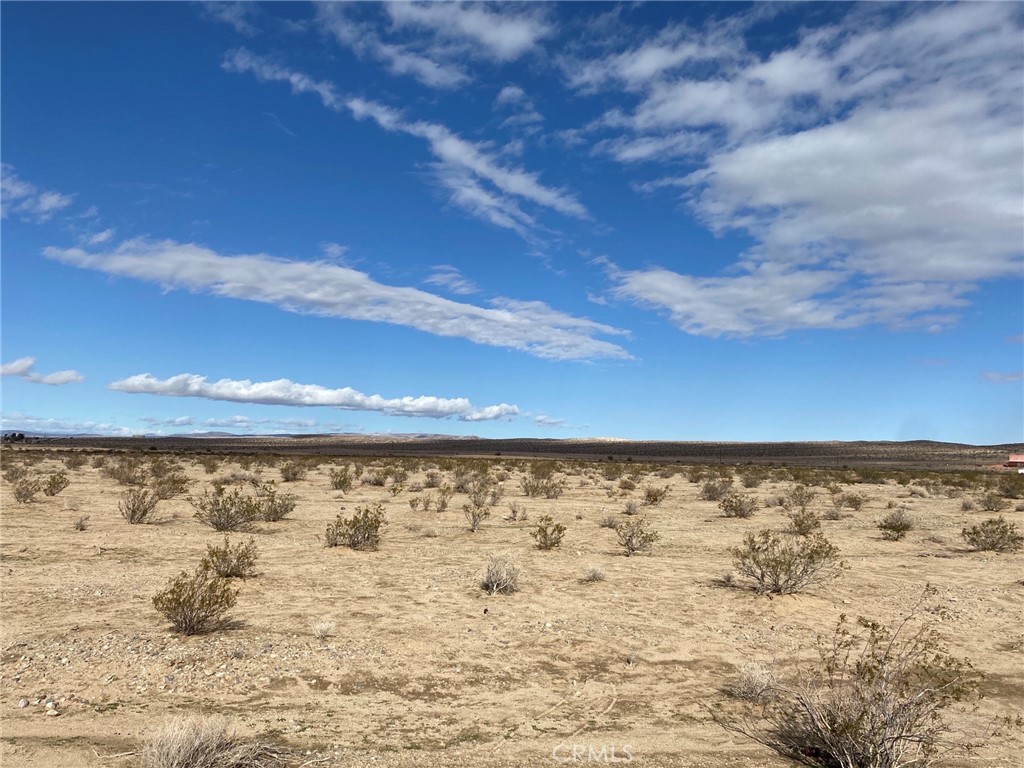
688 221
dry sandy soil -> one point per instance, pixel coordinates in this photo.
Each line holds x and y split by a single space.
426 669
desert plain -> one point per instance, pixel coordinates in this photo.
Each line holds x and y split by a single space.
398 657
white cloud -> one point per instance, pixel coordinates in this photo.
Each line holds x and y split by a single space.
237 14
524 114
876 164
22 367
1002 377
21 197
178 421
549 422
363 39
28 423
100 237
286 392
502 33
332 290
245 422
451 278
241 60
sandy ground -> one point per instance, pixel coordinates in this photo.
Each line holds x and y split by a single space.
423 667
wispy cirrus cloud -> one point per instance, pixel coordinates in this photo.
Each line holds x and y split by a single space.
23 368
333 290
56 426
241 60
1003 377
875 162
26 200
287 392
451 278
239 15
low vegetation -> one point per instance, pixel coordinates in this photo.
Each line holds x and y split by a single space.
363 531
137 506
785 565
997 534
548 534
231 562
501 576
196 602
635 535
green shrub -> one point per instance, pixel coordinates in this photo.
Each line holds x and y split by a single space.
25 489
634 536
361 532
341 479
55 483
223 511
501 576
994 535
170 484
993 502
475 515
803 522
231 562
138 506
127 470
784 565
548 534
271 507
715 490
292 472
653 496
798 497
738 505
195 602
875 699
894 526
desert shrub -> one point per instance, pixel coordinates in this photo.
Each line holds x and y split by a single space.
210 464
653 496
171 484
195 602
1012 486
224 511
593 575
501 576
854 500
755 683
475 515
444 496
785 565
609 521
341 479
994 535
516 512
54 483
433 479
192 742
74 461
695 474
270 506
993 502
715 490
322 628
374 478
894 526
81 523
127 470
292 472
627 484
414 503
361 532
25 489
917 491
231 562
798 497
803 522
635 536
548 534
738 505
98 462
632 508
968 505
876 698
12 472
137 506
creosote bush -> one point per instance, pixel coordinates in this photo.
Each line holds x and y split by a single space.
475 515
55 483
738 505
224 511
292 472
361 532
170 484
876 698
548 534
271 507
196 602
997 534
784 565
715 490
653 496
341 479
501 576
798 497
25 489
137 506
895 525
231 562
634 535
803 522
993 502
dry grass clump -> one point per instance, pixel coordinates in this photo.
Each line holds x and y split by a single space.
196 602
653 496
997 534
194 742
501 576
516 512
231 562
785 565
25 489
593 575
548 534
323 628
753 683
361 532
634 536
137 506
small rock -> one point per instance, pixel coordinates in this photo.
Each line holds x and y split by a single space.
23 703
52 713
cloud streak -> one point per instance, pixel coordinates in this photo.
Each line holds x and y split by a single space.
333 290
287 392
28 201
22 368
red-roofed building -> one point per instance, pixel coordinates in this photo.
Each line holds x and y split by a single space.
1016 460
